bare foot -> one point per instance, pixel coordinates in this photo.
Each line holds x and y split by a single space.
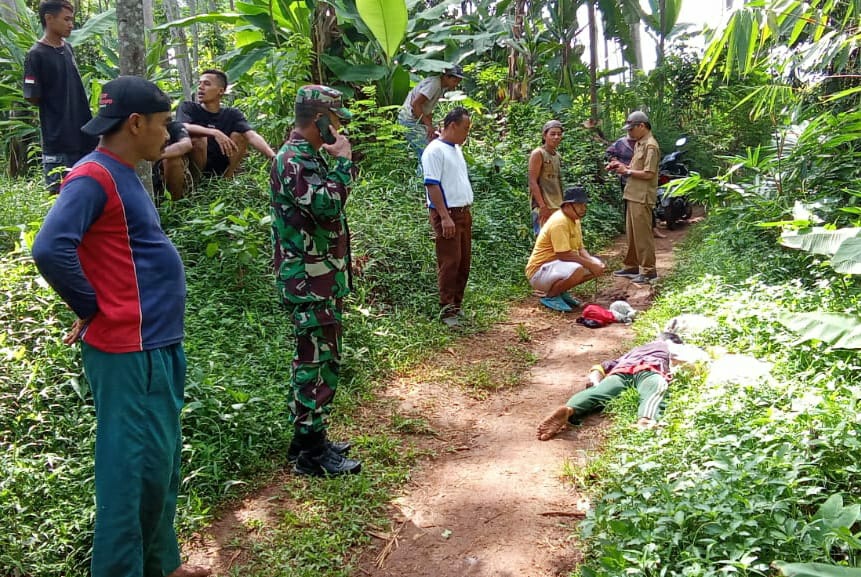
191 571
555 423
657 233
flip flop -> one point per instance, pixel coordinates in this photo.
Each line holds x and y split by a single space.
569 300
556 304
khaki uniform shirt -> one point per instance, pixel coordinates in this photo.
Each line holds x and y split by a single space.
647 156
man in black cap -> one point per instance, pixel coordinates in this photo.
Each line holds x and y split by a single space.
641 193
416 114
103 250
559 261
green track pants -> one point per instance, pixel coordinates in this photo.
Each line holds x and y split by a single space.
138 398
650 385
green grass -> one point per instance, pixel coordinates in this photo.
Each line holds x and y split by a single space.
746 472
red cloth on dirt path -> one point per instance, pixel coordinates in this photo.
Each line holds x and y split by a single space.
598 314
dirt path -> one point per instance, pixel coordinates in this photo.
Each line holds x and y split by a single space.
492 500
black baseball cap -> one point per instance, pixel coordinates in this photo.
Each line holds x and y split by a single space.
122 97
576 194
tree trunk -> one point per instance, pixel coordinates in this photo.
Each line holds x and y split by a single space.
8 11
324 30
515 92
180 49
195 36
593 61
606 59
131 36
636 45
149 21
662 6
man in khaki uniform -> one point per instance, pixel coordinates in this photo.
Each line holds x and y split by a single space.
641 193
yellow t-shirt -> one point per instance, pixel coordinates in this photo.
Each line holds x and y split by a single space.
559 234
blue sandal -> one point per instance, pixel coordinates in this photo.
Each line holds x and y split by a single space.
556 304
569 300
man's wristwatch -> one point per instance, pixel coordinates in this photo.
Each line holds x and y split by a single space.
628 172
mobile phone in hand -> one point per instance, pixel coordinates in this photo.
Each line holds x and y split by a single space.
324 126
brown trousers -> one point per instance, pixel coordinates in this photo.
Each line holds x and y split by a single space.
641 239
453 258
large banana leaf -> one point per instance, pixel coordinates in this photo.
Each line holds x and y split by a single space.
387 20
347 72
847 259
669 19
219 18
818 240
815 570
419 62
838 330
242 60
95 26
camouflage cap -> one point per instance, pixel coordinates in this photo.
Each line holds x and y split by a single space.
321 97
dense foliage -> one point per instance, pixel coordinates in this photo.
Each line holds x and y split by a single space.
751 471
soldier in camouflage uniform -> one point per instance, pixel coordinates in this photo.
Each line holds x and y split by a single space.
310 238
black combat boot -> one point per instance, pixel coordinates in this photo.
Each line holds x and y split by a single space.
317 458
342 448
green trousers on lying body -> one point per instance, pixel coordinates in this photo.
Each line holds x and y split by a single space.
138 397
651 387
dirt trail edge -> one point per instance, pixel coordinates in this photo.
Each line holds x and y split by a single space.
490 500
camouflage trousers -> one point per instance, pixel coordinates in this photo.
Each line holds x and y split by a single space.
316 363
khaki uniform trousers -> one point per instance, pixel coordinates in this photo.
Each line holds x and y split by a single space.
641 240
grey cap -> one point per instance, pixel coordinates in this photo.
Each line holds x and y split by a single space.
455 71
636 117
551 124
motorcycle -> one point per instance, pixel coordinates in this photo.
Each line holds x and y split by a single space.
672 209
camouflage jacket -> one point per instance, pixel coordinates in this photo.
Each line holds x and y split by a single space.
309 227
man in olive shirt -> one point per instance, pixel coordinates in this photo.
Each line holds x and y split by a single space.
545 175
641 193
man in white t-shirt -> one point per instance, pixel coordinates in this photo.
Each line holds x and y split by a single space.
449 196
417 111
